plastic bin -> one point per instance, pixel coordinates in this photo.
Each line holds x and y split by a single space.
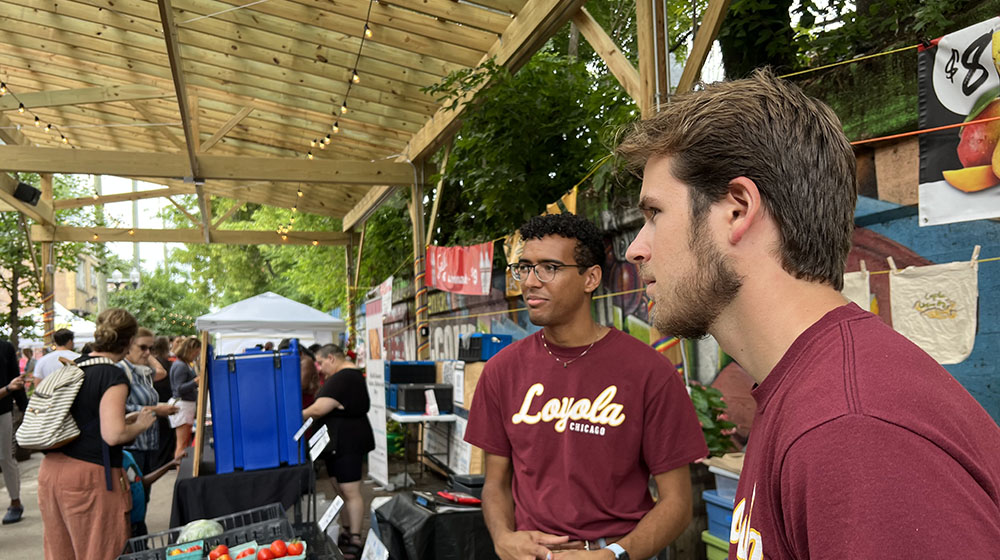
725 482
263 524
193 555
397 372
256 409
410 397
720 514
716 548
479 347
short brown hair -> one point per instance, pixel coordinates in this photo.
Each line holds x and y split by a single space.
115 330
791 145
143 332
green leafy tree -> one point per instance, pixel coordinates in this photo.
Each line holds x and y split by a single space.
163 302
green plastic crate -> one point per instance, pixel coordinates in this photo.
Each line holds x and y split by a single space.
717 548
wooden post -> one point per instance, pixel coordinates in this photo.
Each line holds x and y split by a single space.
48 286
199 419
351 288
651 37
419 272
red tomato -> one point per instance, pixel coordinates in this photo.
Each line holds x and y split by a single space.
218 551
225 557
265 554
246 553
279 548
295 548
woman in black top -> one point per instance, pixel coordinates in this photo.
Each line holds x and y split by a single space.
342 404
82 517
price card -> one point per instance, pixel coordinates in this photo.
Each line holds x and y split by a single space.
330 513
319 434
319 446
374 549
302 430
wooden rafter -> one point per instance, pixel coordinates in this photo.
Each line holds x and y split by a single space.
186 214
711 22
224 129
229 214
161 130
123 197
188 107
191 236
61 98
139 164
41 212
617 63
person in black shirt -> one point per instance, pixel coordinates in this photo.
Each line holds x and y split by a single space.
11 390
82 517
342 404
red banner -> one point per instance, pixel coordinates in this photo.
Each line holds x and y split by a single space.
462 270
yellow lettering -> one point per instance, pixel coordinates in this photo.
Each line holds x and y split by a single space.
522 415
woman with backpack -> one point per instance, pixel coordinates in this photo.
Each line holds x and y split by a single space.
83 494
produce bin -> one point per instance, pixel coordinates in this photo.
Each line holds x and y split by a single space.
725 482
720 514
256 409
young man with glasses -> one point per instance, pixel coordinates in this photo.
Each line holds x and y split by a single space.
575 418
862 445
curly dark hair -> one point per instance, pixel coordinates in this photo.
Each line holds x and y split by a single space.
589 243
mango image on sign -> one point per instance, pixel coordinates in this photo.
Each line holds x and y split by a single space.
972 179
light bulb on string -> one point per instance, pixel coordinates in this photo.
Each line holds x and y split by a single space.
64 139
284 238
20 107
3 88
322 145
354 76
327 139
95 237
48 127
38 122
368 31
336 127
315 242
343 108
299 192
309 155
313 143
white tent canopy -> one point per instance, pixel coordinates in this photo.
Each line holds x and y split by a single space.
83 330
267 317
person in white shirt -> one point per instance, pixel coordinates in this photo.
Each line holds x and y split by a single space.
49 363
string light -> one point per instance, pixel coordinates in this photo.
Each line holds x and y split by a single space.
284 238
20 107
313 143
309 155
315 242
343 107
327 139
354 76
48 127
64 139
3 88
322 145
368 30
95 237
38 122
299 192
131 232
336 127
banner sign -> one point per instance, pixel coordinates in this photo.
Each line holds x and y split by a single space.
960 167
463 270
375 309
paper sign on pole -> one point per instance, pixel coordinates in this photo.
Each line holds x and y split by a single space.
330 513
302 430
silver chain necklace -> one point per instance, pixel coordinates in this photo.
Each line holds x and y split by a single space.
566 363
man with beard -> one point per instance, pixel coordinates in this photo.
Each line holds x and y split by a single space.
862 445
575 418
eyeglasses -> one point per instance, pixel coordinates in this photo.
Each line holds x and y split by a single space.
144 347
544 272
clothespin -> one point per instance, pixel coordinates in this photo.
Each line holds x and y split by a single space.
975 256
864 267
892 265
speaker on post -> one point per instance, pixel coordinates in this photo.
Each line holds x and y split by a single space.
26 193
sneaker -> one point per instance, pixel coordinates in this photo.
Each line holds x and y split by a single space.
13 514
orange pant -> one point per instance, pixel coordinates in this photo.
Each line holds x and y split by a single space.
80 517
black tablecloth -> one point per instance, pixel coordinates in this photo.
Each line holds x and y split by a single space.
411 532
213 495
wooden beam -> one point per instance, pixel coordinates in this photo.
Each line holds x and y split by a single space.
618 64
229 214
647 49
83 96
190 236
123 197
10 134
162 130
437 195
224 129
145 164
366 206
185 212
41 213
711 22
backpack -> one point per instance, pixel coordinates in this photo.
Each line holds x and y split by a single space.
47 422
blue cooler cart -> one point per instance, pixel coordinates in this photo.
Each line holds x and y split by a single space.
256 409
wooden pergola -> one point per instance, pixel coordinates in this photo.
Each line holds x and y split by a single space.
235 99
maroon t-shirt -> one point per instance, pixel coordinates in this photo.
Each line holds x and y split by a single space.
584 439
864 447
